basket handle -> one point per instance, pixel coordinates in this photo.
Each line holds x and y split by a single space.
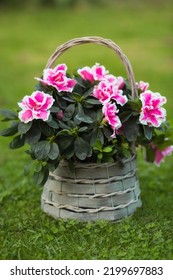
100 41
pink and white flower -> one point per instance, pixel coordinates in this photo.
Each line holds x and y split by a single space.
152 113
105 91
35 106
95 73
57 78
142 86
86 73
99 72
160 154
118 81
119 97
109 110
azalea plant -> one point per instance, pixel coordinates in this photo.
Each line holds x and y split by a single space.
87 117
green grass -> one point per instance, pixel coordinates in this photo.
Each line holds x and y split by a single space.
27 39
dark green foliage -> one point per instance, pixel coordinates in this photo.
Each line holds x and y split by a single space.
81 148
148 132
8 114
10 131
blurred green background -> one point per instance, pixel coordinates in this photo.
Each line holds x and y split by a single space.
29 32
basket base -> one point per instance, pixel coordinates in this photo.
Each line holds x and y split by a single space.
92 192
112 215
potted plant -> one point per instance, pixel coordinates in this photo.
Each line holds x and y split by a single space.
82 131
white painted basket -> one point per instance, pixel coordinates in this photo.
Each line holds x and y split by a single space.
92 191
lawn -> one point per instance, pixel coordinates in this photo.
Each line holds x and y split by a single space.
27 39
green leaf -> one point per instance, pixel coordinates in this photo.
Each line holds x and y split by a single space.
10 131
53 124
81 116
131 129
63 125
82 129
78 88
81 148
61 102
17 142
69 99
77 96
33 135
8 114
54 151
46 129
69 111
46 175
54 109
80 82
84 118
99 115
107 149
126 153
148 131
38 177
107 158
42 149
52 164
107 132
37 166
100 156
88 93
69 152
97 134
93 101
64 141
24 127
124 116
98 145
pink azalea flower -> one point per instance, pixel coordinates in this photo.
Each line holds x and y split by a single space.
119 97
109 111
152 113
99 72
142 86
35 106
86 73
57 78
95 73
160 154
119 81
103 91
106 90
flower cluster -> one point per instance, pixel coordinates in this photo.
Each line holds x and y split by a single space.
89 117
108 91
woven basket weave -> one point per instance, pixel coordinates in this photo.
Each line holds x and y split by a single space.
93 191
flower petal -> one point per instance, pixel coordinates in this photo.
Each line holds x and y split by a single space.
25 116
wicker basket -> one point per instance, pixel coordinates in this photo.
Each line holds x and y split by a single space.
93 191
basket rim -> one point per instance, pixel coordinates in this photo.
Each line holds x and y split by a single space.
98 165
